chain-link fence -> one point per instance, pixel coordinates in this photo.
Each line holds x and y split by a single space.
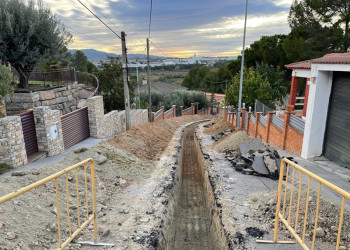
261 107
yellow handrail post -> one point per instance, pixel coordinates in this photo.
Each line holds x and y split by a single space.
278 203
94 198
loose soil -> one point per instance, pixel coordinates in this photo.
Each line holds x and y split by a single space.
130 193
231 142
149 140
220 125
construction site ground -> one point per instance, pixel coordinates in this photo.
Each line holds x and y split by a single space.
137 188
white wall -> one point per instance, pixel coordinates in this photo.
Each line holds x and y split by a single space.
316 117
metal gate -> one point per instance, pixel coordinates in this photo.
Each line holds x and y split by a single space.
29 133
75 127
337 139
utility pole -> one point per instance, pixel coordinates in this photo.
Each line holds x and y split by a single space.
125 82
138 86
149 85
242 67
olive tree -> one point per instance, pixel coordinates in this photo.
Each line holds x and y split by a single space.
30 32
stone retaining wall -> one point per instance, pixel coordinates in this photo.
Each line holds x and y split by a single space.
64 99
12 147
108 125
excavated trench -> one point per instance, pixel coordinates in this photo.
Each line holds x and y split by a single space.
194 221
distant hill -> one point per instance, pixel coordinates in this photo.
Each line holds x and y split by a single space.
96 55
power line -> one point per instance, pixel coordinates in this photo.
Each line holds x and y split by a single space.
150 21
99 19
100 41
105 17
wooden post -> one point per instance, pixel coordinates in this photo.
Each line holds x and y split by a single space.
125 82
149 85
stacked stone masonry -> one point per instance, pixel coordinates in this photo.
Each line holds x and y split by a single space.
12 147
48 130
108 125
65 99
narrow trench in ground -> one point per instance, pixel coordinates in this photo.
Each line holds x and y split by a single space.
195 222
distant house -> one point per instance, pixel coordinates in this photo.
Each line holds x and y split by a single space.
326 108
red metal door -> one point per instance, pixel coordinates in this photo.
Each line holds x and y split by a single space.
75 127
29 132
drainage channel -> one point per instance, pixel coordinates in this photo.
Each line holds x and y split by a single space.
195 223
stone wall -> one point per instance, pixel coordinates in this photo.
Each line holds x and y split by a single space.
12 147
108 125
64 99
2 108
48 130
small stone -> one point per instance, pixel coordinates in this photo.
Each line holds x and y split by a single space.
320 232
106 232
53 227
54 211
342 248
144 220
35 172
334 229
11 236
2 225
18 173
310 198
80 150
100 159
123 182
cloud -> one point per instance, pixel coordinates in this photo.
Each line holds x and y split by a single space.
180 28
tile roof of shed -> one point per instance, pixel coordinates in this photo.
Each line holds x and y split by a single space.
333 58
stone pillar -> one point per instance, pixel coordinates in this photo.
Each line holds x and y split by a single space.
174 110
12 147
257 117
286 119
96 114
268 125
181 110
162 107
48 130
293 91
192 106
243 110
306 97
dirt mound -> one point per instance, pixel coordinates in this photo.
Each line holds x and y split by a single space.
231 141
148 141
220 126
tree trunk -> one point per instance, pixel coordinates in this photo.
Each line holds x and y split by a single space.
23 78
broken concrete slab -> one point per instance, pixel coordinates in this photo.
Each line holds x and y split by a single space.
270 163
252 145
259 166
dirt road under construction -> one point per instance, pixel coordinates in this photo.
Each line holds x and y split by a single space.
169 185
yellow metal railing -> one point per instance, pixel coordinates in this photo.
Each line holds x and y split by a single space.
81 226
285 215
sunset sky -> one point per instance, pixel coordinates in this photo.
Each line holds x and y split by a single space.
179 28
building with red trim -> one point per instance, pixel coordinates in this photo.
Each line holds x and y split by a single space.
326 108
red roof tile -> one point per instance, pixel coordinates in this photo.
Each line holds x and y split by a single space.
334 58
299 65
